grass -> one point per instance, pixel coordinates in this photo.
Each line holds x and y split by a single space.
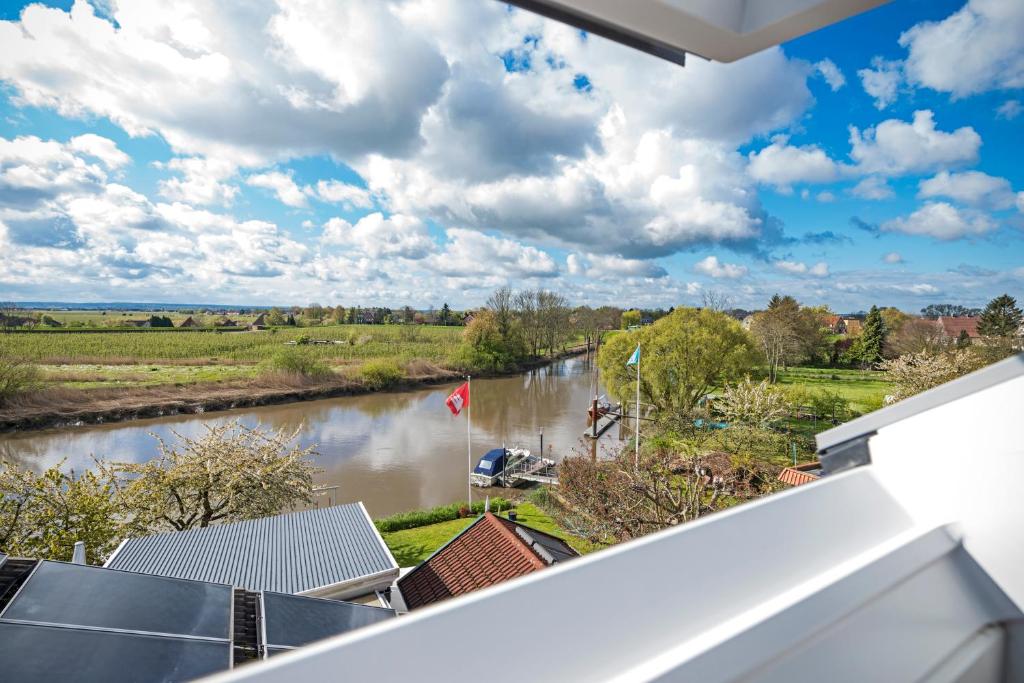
859 387
412 546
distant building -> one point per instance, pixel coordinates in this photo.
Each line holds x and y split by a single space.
801 474
852 326
260 323
189 322
489 551
953 326
835 324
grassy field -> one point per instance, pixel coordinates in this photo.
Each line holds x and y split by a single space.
860 387
412 546
97 318
358 342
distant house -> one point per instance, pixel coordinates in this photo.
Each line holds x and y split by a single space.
747 321
953 326
853 326
647 321
489 551
260 323
188 322
835 324
333 552
225 322
135 323
16 321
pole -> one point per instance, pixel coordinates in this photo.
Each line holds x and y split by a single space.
637 456
469 445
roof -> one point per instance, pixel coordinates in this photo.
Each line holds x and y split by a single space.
489 551
953 326
84 623
801 474
297 552
853 326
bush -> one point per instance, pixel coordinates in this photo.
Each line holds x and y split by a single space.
296 362
16 376
442 513
830 404
381 373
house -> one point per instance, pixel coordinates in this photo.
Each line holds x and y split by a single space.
188 322
333 552
804 473
74 622
834 324
747 321
489 551
953 326
260 323
853 326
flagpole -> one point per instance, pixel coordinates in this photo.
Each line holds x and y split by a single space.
637 455
469 444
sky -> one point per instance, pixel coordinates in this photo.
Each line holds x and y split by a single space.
426 151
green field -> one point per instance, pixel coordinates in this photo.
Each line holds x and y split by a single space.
401 343
412 546
860 387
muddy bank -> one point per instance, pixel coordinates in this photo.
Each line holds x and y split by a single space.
75 407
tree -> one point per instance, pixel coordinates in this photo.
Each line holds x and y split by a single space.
43 515
757 405
275 317
788 333
914 336
231 473
684 355
446 314
501 303
963 340
484 346
629 318
1001 318
949 310
872 339
915 372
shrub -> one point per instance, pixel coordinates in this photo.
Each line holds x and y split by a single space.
381 373
830 404
16 376
757 405
296 362
442 513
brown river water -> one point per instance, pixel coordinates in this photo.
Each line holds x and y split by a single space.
394 451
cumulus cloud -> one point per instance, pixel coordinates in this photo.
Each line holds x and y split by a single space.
612 267
882 81
470 254
942 221
974 50
893 257
101 148
1009 110
712 267
782 165
969 187
896 147
828 70
872 187
819 269
378 236
348 196
202 181
282 185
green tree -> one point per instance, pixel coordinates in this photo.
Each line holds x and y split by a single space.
1001 318
275 317
963 340
630 318
446 314
872 339
683 356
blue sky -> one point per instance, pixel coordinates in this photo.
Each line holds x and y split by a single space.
431 150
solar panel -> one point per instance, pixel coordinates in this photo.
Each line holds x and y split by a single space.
47 653
80 595
272 651
292 620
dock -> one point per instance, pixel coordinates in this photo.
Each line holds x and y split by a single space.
604 423
536 471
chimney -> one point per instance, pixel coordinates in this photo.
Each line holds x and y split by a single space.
78 556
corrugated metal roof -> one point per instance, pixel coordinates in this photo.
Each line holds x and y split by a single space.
290 553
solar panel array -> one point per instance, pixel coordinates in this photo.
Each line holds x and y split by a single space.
82 623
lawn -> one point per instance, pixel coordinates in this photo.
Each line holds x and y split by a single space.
412 546
859 387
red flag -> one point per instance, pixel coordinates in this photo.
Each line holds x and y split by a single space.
459 399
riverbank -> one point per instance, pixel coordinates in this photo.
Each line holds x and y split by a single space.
68 407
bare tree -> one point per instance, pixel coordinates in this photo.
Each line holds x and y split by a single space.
503 305
716 300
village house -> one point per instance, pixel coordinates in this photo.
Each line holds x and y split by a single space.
260 323
835 324
953 326
188 322
852 326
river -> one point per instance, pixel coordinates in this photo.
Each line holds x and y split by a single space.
395 451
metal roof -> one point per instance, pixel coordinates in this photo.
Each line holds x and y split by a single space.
290 553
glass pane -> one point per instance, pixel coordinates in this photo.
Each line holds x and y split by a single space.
79 595
294 620
48 653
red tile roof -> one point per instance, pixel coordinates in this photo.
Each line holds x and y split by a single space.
952 327
801 474
487 552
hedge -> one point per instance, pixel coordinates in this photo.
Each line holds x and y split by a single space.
442 513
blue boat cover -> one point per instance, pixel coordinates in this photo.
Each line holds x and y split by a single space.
492 463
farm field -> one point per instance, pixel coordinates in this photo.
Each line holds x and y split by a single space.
356 342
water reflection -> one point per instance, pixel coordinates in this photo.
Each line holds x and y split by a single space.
394 451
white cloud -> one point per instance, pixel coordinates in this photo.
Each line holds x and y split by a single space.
470 254
612 267
712 267
1009 110
1020 201
895 147
348 196
974 50
819 269
882 81
942 221
376 236
872 187
825 197
282 185
969 187
831 73
203 181
101 148
893 257
781 165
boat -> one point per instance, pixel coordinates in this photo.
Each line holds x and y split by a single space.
603 408
504 467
